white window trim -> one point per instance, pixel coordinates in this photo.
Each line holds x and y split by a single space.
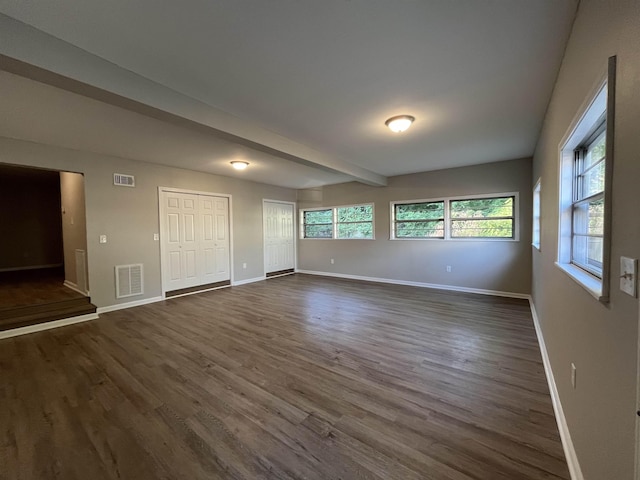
315 209
601 98
537 192
447 218
334 215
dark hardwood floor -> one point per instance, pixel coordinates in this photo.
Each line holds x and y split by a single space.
31 297
291 378
31 287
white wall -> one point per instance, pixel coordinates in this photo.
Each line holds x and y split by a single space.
503 266
129 216
600 339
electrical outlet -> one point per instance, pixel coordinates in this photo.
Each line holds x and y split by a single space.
244 265
573 375
332 261
448 268
156 237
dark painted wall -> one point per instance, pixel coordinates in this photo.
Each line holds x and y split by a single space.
30 219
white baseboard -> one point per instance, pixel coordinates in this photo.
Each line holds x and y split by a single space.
74 287
122 306
47 325
453 288
563 428
237 283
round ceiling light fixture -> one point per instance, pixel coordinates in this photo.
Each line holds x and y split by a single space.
239 164
399 123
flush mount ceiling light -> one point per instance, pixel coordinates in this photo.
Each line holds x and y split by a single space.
239 165
399 123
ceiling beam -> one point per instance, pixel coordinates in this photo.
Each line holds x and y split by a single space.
31 53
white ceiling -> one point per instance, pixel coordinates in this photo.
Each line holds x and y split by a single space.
477 75
41 113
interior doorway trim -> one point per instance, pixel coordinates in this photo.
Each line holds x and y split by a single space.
295 234
161 212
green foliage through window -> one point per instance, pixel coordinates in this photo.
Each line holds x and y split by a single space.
482 218
350 222
318 223
492 217
419 220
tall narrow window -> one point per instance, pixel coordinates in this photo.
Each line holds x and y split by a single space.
587 222
535 231
586 173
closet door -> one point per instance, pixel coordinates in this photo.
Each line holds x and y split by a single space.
279 236
181 240
214 221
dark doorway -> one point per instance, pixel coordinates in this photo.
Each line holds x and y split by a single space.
32 249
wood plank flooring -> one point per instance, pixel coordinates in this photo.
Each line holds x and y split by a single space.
298 377
34 287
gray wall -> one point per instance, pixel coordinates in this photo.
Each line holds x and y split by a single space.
129 216
29 218
491 265
74 225
602 340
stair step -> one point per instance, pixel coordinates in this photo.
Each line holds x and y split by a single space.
24 310
55 312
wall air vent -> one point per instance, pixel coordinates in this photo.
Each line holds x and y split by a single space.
124 180
129 280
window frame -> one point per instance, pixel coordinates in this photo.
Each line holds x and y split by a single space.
600 102
412 202
447 218
578 198
303 223
334 221
536 216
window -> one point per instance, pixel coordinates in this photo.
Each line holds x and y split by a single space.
347 222
587 209
535 231
354 222
491 217
318 223
483 218
586 170
418 220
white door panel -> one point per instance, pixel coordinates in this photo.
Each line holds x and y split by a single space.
195 240
214 212
279 236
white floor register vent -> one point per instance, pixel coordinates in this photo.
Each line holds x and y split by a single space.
129 280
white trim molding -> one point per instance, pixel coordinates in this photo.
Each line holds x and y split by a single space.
436 286
563 428
47 325
122 306
74 287
237 283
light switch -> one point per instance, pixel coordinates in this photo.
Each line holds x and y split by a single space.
103 239
628 275
156 237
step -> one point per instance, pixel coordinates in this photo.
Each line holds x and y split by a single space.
24 310
54 312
